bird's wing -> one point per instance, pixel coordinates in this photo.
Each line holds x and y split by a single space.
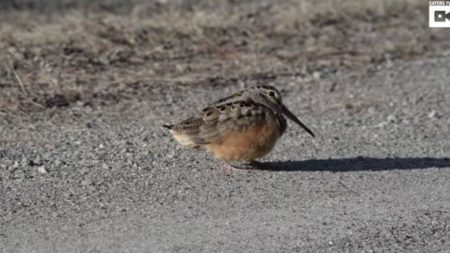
218 120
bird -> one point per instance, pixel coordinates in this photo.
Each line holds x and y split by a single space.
240 128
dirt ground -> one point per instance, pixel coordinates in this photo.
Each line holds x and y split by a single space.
86 85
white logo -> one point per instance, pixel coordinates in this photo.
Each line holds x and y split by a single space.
439 13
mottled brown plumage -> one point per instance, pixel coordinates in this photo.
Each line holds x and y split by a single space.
241 127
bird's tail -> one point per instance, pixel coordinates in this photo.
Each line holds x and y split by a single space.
168 126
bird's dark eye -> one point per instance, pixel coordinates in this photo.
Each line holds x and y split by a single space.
271 94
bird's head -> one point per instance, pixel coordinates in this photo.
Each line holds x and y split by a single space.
271 98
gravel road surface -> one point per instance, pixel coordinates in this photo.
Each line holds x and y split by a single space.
110 179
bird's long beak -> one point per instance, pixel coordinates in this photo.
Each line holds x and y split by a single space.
292 117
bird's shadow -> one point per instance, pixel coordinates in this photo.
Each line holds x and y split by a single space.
355 164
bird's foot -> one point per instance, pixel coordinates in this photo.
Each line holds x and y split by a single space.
229 168
251 165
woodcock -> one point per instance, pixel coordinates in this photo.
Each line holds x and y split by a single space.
242 127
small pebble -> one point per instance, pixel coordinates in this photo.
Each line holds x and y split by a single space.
432 114
316 75
41 169
391 118
57 162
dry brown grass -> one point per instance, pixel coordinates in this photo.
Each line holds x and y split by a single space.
305 13
29 27
93 56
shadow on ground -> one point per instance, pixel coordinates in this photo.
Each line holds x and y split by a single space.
356 164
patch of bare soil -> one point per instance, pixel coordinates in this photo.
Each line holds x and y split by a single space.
98 56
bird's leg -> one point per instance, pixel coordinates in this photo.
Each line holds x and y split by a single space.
230 168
